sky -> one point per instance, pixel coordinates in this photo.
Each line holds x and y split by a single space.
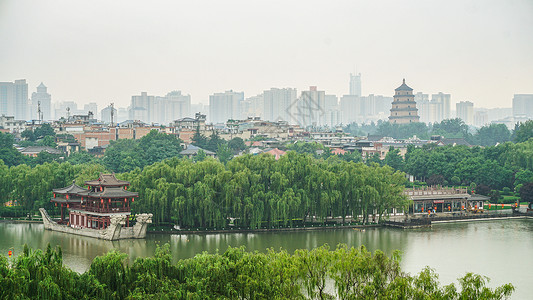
107 51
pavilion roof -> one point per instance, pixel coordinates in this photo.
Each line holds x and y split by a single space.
107 180
71 189
109 192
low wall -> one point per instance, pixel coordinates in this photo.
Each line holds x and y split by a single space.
114 231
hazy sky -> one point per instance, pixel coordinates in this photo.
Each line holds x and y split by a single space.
107 51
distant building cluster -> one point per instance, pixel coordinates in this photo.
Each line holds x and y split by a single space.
283 111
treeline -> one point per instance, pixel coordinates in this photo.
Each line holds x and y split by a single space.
344 273
488 135
259 191
31 188
256 191
507 165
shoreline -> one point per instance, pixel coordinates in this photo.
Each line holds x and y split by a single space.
21 221
307 228
181 232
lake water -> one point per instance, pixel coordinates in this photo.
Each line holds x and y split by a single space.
499 249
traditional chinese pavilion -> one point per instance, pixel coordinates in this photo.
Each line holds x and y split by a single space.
93 207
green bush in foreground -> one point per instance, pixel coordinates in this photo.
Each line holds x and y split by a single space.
344 273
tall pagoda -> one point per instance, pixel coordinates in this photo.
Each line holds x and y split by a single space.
403 109
93 207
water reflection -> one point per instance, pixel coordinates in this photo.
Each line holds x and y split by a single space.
498 249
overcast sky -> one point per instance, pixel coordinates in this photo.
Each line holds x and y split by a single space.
107 51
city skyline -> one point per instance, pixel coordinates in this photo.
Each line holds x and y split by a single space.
112 51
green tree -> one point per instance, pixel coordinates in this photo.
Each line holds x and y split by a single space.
224 153
199 139
47 141
28 135
523 131
236 144
214 142
82 157
44 130
200 156
492 134
393 159
8 153
451 128
526 192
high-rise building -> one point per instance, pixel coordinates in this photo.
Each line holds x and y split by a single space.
156 109
141 106
332 113
426 109
14 99
350 106
122 114
109 115
253 107
43 101
225 106
355 85
403 109
310 108
173 106
21 99
280 105
465 112
481 117
443 102
523 106
91 107
65 109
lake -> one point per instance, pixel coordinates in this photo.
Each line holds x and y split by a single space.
499 249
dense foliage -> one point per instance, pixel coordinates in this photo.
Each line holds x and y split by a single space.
344 273
126 155
256 190
488 135
31 188
502 166
261 192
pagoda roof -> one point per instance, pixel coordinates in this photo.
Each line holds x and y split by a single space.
71 189
403 87
107 180
109 192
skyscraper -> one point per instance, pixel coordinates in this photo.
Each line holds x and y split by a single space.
310 108
355 84
443 102
252 107
403 109
14 99
225 106
141 107
7 103
278 105
109 115
173 106
523 105
465 111
42 99
21 99
156 109
350 106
